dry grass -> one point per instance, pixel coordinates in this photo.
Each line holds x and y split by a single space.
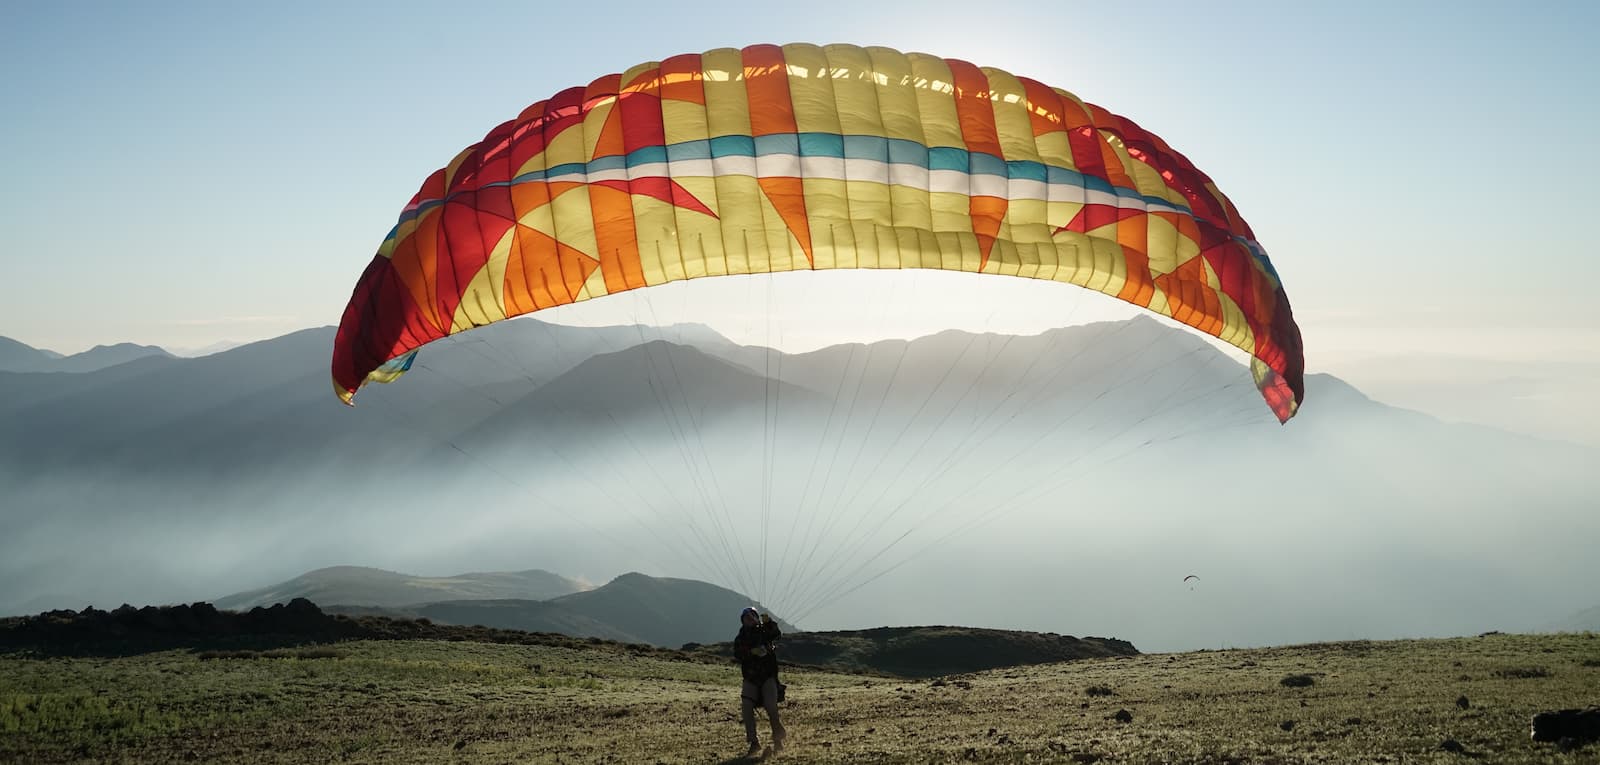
461 702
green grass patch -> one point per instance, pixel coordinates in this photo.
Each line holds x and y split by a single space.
320 652
1522 673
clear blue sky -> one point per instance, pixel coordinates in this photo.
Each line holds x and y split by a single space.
182 173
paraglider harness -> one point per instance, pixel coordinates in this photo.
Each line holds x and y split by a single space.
756 669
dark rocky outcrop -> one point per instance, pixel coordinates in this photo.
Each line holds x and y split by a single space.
1572 725
152 627
127 630
938 650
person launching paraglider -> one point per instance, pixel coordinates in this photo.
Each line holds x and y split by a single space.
757 651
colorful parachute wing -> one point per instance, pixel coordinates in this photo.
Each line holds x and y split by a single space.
801 157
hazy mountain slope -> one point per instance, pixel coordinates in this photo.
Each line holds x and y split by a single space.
525 615
20 357
633 608
655 390
361 586
102 356
258 405
663 611
185 405
255 407
29 390
1126 440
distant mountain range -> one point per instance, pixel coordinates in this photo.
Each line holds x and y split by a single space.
719 458
632 608
18 357
361 586
664 612
15 356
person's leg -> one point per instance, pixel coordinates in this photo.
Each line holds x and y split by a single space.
747 710
769 699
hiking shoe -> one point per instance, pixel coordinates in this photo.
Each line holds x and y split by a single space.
755 750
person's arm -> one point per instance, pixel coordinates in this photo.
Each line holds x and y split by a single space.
769 629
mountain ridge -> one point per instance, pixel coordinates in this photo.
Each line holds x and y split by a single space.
16 356
365 586
557 433
632 607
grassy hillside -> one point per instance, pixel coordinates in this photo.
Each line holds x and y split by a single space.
461 702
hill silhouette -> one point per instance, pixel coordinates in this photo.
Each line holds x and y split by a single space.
664 611
362 586
508 614
939 650
632 608
668 613
20 357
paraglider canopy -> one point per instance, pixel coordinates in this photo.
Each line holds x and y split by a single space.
802 157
